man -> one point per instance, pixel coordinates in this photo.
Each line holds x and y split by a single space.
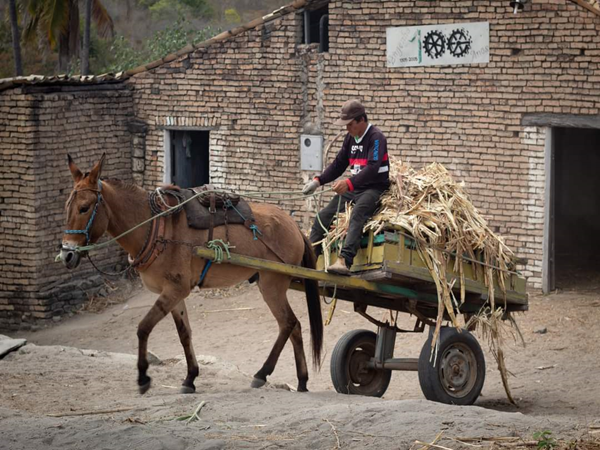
365 151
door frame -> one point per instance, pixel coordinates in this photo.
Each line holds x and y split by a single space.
549 122
548 249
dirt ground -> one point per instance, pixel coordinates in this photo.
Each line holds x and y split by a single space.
74 384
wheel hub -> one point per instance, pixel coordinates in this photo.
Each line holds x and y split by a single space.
359 373
458 370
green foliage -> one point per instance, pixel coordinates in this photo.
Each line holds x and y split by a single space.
5 36
232 16
544 439
118 54
48 19
112 56
171 9
34 60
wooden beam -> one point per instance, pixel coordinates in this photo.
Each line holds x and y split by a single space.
560 120
303 272
52 88
587 5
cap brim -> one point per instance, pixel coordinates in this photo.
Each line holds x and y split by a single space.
341 122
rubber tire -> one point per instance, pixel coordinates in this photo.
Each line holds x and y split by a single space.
353 348
465 346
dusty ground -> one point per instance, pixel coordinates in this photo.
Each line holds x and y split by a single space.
73 385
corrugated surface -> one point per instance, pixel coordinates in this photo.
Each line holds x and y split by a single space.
63 80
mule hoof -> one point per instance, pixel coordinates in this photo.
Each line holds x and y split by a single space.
144 387
187 390
257 382
302 385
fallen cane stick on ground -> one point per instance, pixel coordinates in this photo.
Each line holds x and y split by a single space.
89 413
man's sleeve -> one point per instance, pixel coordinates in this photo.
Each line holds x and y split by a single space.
338 166
377 154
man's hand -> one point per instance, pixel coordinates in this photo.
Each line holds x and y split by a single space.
340 187
310 187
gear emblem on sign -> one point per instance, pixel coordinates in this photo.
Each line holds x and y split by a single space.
434 44
459 43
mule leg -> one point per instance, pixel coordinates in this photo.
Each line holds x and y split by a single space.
300 357
163 305
182 323
273 288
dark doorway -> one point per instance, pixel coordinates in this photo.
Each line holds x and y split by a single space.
576 203
190 158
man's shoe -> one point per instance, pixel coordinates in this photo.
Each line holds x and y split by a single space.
339 267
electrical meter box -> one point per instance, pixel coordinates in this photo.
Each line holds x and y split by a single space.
311 152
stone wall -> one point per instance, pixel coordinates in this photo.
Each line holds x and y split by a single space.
258 91
38 127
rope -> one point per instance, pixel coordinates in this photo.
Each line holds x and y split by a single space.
220 247
300 197
158 194
331 311
326 230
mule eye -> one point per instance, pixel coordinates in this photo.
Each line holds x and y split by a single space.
84 209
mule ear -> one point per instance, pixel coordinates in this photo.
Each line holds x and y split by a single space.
75 172
97 170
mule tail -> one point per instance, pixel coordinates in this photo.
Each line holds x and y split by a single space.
313 300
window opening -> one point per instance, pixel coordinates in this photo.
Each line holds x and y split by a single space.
316 28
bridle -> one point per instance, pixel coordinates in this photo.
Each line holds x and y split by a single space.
88 227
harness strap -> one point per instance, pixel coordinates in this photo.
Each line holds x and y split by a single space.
256 233
151 250
270 248
207 265
88 227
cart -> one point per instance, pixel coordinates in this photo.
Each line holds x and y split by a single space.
389 273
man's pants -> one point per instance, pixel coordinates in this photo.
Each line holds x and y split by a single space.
365 204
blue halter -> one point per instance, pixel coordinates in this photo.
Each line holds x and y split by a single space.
86 232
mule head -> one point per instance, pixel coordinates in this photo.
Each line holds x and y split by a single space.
87 214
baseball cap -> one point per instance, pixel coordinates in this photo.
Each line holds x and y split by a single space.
350 111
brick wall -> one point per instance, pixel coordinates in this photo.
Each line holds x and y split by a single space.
544 60
248 92
37 130
260 90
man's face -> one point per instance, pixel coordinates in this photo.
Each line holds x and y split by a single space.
353 128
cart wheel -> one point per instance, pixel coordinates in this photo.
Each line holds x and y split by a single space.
459 372
348 366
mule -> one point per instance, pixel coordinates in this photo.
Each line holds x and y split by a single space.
97 206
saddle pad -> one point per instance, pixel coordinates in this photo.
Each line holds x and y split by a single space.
198 216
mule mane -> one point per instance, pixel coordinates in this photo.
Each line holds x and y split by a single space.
127 185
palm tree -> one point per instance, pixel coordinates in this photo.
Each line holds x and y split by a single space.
14 24
58 21
85 54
